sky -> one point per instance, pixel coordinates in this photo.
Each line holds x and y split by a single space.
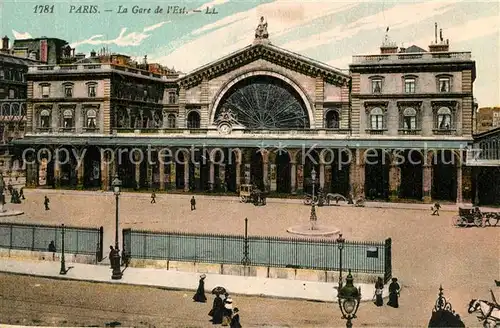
328 31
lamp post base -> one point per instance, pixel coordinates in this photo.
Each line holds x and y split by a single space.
348 324
117 270
117 275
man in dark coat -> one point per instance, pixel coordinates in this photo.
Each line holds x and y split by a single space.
394 289
235 320
46 203
200 292
193 204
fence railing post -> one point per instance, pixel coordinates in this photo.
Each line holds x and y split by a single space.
11 237
388 260
101 244
246 259
33 239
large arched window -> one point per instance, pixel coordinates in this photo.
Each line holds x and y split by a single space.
67 122
377 119
91 121
409 119
45 118
15 110
171 121
193 121
6 110
332 120
444 118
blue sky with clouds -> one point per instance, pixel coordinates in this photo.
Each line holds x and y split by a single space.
330 31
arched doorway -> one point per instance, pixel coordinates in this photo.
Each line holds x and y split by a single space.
444 176
377 164
340 173
67 166
92 168
283 173
411 175
256 169
180 160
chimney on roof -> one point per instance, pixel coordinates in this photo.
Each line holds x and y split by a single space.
441 45
5 43
92 53
388 47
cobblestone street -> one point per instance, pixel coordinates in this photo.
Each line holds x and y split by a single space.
427 250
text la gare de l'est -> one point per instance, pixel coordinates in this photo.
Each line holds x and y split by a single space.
137 9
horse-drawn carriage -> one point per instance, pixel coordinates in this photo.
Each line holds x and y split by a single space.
474 217
251 194
322 198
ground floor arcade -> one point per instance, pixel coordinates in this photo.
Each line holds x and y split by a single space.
417 174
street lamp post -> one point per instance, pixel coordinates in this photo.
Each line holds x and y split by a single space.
313 218
340 244
349 298
115 260
63 260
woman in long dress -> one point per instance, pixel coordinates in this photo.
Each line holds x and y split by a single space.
200 292
228 310
394 293
379 288
217 311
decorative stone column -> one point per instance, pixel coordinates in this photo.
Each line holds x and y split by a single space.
149 174
357 174
105 181
265 170
212 175
161 169
394 181
173 175
238 176
80 170
57 172
427 179
137 169
300 178
272 178
322 176
222 175
186 174
459 183
293 177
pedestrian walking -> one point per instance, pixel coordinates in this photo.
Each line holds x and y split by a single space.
193 204
235 320
200 292
436 209
112 252
394 290
379 289
153 197
21 193
52 247
46 203
125 258
217 310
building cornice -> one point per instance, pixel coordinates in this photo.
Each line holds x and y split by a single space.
413 95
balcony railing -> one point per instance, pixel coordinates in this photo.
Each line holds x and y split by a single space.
52 69
412 132
445 132
411 56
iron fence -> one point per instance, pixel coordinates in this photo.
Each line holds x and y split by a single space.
78 240
319 254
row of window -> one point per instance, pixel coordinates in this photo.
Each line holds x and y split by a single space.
12 75
443 84
68 90
409 119
12 94
13 109
68 119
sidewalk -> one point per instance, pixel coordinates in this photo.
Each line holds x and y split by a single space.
368 204
175 280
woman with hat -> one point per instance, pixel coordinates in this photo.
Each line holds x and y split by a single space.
228 310
394 289
200 292
379 288
235 320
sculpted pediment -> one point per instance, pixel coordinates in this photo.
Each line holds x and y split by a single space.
270 53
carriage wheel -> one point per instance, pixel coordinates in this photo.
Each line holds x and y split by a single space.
458 221
307 201
478 221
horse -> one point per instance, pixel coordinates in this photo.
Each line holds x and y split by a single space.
335 197
489 312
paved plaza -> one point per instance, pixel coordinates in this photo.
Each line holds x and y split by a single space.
427 250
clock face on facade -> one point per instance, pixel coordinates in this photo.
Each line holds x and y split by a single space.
224 128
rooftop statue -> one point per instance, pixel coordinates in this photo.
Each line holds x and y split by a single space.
261 30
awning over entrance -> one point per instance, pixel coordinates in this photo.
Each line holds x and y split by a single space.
266 143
